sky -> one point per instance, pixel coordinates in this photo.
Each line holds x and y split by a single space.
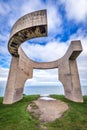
67 21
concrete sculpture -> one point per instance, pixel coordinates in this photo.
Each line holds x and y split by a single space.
30 26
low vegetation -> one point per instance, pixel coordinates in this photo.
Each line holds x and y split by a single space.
16 116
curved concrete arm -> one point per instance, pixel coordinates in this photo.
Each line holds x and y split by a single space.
29 26
73 51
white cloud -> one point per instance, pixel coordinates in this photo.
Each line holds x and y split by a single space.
44 77
49 52
3 37
76 10
3 44
54 19
4 8
3 77
29 6
3 73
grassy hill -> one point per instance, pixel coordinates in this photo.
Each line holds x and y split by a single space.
16 117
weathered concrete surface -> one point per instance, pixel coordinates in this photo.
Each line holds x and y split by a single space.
68 72
22 67
29 26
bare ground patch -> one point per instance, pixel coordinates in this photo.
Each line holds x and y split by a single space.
47 110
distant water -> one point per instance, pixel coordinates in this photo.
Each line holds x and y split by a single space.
44 90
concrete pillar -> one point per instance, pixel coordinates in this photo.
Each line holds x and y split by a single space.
68 73
15 84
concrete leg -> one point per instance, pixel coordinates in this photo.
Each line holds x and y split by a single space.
68 75
15 84
76 88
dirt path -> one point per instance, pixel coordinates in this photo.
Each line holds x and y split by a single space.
47 109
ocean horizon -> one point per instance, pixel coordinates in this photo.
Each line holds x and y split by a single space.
43 90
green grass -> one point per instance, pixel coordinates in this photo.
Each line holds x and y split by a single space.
16 117
74 119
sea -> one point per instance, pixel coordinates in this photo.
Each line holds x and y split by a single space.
43 90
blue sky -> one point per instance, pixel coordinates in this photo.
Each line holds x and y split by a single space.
67 21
